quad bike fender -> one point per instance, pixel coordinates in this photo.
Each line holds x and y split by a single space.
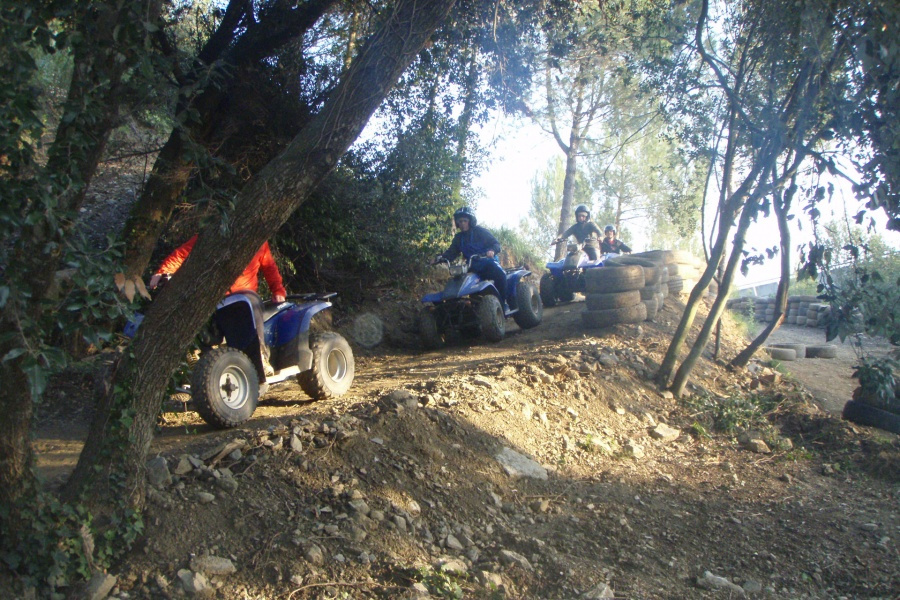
287 333
234 318
513 279
469 284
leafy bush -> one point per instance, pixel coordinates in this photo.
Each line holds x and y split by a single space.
878 385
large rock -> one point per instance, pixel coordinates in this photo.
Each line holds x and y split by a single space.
665 433
213 566
99 586
519 465
158 474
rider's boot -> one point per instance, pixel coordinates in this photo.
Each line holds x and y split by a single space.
268 371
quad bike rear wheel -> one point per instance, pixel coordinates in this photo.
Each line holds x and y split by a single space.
564 293
225 387
491 318
531 310
333 367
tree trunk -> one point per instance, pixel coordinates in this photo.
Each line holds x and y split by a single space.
781 205
264 204
730 209
107 33
715 312
16 453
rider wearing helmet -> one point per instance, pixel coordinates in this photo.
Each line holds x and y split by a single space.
472 239
584 229
610 244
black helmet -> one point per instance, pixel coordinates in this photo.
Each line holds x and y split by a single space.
609 228
584 209
465 211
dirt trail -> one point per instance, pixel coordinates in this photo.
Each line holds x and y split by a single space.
399 483
829 380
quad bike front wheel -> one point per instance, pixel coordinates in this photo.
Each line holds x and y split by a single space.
333 367
491 318
531 310
432 338
548 291
225 387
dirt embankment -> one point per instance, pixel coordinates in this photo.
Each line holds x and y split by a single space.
403 488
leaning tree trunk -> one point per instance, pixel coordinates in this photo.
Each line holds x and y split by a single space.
718 307
781 205
107 34
735 201
264 204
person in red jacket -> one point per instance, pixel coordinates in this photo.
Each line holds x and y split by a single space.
248 281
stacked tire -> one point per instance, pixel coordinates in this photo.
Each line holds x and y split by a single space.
684 271
613 296
651 293
662 259
764 311
744 305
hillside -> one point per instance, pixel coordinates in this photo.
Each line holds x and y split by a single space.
396 490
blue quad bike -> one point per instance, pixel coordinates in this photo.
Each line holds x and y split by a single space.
470 306
566 276
228 378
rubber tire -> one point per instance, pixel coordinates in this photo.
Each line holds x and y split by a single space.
663 257
491 318
619 279
822 351
613 300
548 291
431 337
865 414
784 354
566 295
652 308
531 309
652 272
614 316
800 349
683 256
648 292
333 367
207 383
618 261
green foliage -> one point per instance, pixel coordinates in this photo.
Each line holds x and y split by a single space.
732 413
878 384
378 213
517 251
56 544
440 584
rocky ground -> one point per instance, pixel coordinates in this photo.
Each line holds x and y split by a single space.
545 466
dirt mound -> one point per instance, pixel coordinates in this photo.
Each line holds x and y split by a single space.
545 466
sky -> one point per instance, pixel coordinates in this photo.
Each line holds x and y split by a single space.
519 151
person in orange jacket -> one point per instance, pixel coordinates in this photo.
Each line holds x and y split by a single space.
248 281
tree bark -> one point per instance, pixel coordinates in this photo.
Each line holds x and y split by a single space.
718 307
107 32
731 207
219 256
781 206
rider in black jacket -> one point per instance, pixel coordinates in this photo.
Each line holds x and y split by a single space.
583 229
610 244
472 239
